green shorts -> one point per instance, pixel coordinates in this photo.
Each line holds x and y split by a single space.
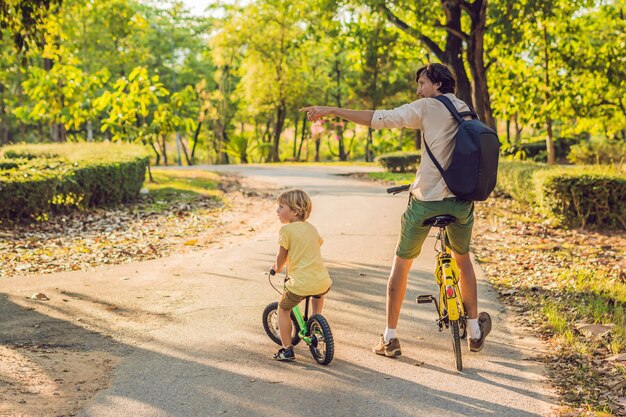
414 232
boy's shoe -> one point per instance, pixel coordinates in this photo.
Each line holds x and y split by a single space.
285 355
484 322
391 349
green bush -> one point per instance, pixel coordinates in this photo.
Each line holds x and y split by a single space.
4 164
574 196
537 149
598 152
515 179
56 177
399 161
584 196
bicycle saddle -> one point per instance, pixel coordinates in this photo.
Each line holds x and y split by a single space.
440 221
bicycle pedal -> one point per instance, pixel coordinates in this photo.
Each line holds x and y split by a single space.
425 299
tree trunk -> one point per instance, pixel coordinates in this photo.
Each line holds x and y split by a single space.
453 53
156 152
518 129
318 142
5 129
164 150
195 140
58 132
281 112
295 135
418 139
508 130
550 141
185 154
476 61
303 136
549 137
338 121
368 145
224 158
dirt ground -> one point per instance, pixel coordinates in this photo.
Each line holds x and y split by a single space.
51 367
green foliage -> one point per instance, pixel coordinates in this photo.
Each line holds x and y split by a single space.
395 178
4 164
515 179
581 197
573 196
130 105
536 150
608 152
399 161
53 178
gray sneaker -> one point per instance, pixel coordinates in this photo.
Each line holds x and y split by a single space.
285 355
391 349
484 322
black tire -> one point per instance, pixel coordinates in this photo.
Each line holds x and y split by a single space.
270 324
463 328
456 345
322 345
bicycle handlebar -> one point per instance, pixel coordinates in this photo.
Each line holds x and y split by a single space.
398 189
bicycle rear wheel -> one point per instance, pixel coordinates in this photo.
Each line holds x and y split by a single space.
322 345
270 324
456 345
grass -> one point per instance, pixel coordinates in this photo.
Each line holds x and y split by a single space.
397 179
183 186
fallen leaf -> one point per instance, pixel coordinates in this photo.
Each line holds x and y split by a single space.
39 296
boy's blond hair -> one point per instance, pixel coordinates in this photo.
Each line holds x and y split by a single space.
298 201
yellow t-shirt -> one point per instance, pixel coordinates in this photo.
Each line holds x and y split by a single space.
304 259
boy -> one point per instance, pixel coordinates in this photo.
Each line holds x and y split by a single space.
299 248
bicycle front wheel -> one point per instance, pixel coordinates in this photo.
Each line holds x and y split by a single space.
270 324
456 344
322 345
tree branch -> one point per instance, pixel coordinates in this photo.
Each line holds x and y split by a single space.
458 33
429 43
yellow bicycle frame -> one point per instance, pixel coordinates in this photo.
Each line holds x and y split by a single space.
447 276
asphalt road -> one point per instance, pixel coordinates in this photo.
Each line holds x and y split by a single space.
202 351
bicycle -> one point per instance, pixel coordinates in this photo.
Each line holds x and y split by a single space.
315 331
449 304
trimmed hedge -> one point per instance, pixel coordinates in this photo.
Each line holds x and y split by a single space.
56 177
579 197
515 179
399 161
574 196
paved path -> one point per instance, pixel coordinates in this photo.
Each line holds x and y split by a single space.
206 354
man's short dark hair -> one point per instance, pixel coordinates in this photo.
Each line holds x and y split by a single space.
439 73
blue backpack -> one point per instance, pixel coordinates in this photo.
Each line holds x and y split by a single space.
473 170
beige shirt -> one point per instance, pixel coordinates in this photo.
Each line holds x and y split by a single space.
438 127
307 273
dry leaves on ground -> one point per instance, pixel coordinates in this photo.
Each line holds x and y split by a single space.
523 257
84 240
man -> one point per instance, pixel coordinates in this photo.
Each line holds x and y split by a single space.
429 197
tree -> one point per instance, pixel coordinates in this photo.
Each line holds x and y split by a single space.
131 108
429 34
383 65
270 33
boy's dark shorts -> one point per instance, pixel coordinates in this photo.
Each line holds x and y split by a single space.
289 300
414 233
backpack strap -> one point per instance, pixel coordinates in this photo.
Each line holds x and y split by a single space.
459 118
432 157
452 109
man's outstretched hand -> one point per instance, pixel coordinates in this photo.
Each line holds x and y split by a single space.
315 113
